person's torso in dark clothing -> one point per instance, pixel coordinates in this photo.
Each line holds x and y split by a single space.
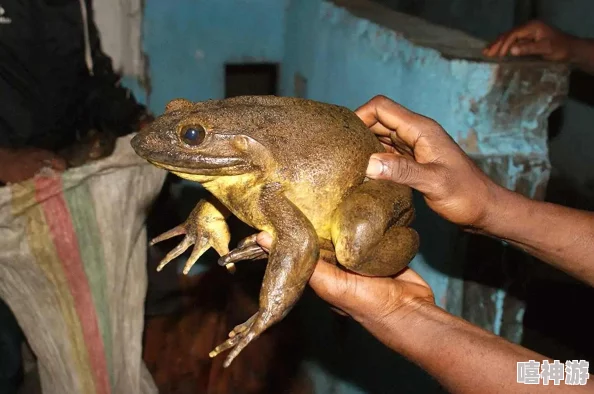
42 71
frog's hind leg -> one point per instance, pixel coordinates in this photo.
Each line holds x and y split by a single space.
370 229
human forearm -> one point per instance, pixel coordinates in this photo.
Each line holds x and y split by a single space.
560 236
462 357
582 54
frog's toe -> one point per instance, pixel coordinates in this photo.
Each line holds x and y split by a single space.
174 232
198 251
249 252
239 338
247 241
228 344
175 252
242 327
243 341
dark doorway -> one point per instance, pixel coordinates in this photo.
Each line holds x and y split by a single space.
251 79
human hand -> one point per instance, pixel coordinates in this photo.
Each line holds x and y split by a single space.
533 38
17 165
365 299
423 156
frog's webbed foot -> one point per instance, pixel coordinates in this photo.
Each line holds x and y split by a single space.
240 337
247 249
204 228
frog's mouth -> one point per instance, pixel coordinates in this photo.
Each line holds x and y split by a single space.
205 165
186 163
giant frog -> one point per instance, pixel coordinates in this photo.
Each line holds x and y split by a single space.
294 168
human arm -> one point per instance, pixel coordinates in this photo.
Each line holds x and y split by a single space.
539 39
558 235
401 313
17 165
423 156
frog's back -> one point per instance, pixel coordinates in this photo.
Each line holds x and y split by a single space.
321 150
310 140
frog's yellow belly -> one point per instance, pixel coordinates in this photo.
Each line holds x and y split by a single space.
241 195
317 205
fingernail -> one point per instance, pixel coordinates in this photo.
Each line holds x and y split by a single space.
375 167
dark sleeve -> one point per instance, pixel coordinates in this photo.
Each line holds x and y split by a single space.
20 99
16 116
113 107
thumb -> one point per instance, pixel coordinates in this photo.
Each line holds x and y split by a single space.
399 169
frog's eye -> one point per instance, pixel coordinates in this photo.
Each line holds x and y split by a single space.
193 135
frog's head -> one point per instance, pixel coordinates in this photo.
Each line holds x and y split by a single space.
198 140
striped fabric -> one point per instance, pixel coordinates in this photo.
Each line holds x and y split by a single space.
73 270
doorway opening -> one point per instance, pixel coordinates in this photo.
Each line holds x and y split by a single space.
251 79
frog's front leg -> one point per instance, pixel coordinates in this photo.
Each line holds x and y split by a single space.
204 228
370 229
292 260
247 249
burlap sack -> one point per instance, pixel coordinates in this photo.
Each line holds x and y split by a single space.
73 270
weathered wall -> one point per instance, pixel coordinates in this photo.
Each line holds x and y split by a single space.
188 44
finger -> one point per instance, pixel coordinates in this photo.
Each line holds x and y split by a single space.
332 285
385 140
58 164
390 149
264 239
403 126
394 118
401 170
380 130
492 49
541 48
49 160
522 33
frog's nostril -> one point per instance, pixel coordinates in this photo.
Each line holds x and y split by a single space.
140 144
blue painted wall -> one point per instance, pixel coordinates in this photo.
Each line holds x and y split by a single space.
188 42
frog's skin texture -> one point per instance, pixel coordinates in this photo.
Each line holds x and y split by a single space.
294 168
